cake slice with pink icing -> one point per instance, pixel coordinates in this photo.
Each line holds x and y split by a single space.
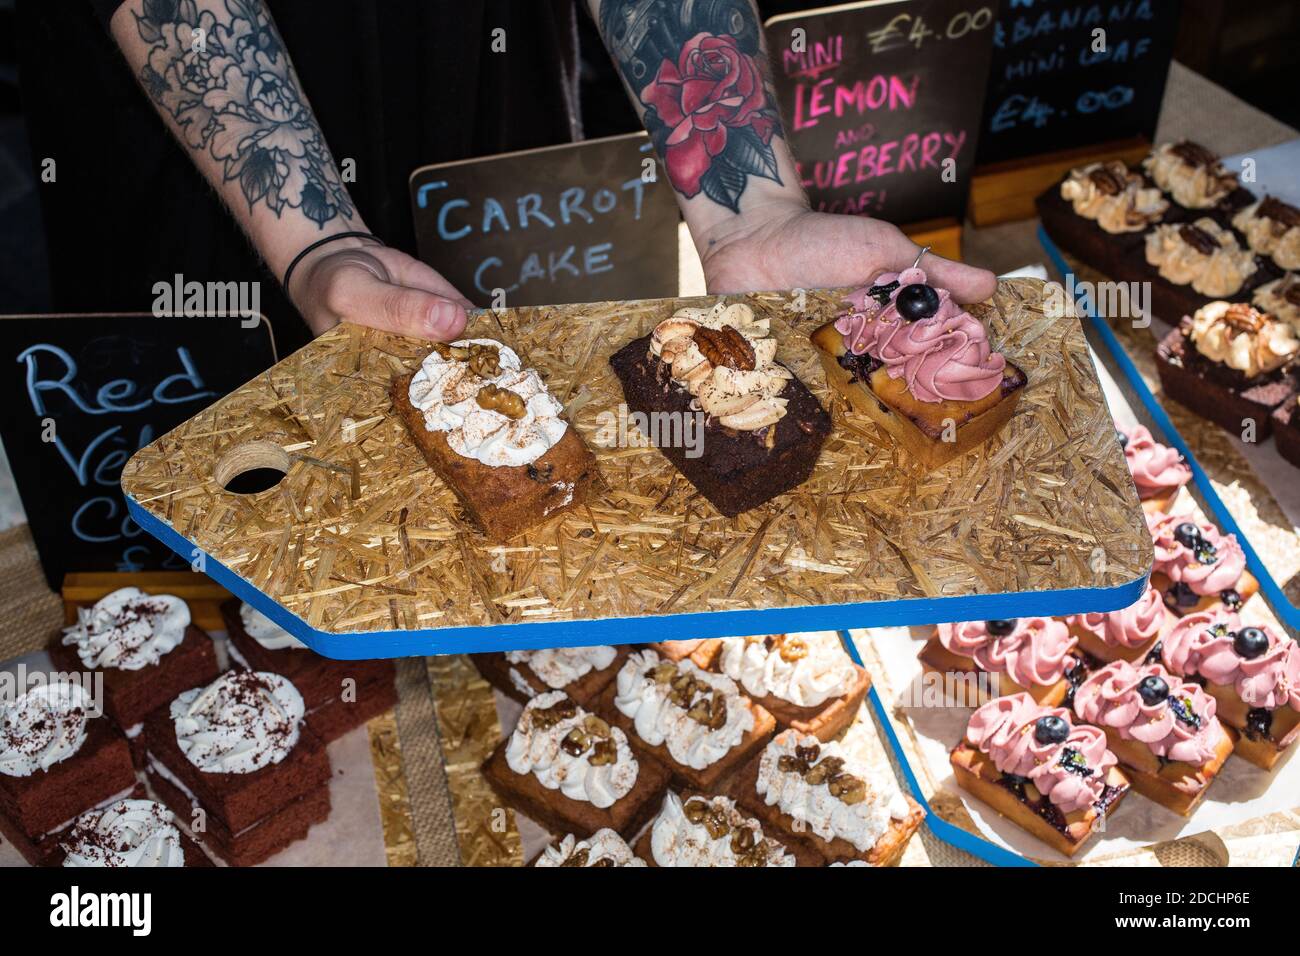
1129 634
1158 470
921 366
1164 730
1197 566
1252 672
1033 655
1034 765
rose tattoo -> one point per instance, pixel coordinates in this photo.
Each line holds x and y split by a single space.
709 108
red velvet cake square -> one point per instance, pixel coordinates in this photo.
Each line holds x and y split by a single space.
238 765
339 695
58 757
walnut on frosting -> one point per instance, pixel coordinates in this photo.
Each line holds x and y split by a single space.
1243 338
703 703
1202 254
829 770
1115 197
724 822
1281 298
1190 173
1272 228
726 358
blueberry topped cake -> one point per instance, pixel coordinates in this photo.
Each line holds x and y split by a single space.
1190 173
1162 728
760 429
908 356
603 848
1032 764
696 722
1196 566
1201 254
1034 655
1129 634
1158 471
1253 673
1116 198
817 794
1272 228
700 831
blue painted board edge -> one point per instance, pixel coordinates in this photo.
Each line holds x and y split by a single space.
941 828
1273 593
365 645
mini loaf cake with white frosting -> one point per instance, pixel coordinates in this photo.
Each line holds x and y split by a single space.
128 629
459 391
698 716
803 669
559 667
241 722
126 833
265 631
603 848
831 793
43 727
573 751
1201 254
707 832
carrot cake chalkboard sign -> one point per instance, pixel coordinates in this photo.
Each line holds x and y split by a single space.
1067 73
882 102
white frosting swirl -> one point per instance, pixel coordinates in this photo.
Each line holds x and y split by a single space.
1278 238
241 722
128 833
265 631
537 750
862 823
128 629
1281 298
446 390
44 726
803 669
660 720
1258 343
676 841
558 667
1221 272
603 845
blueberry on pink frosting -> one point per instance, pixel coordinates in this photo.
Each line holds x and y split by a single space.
1195 555
919 334
1209 645
1175 719
1034 651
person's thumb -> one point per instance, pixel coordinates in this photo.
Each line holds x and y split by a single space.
368 300
966 283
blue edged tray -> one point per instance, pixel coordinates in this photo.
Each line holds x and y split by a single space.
359 551
1163 429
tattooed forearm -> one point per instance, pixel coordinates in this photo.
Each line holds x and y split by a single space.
699 72
226 81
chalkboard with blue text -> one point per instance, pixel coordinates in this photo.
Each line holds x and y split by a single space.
1070 73
579 222
81 393
882 102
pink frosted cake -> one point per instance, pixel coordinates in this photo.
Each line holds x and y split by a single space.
1197 566
1158 470
1163 729
1032 764
1128 634
906 355
1252 672
1033 655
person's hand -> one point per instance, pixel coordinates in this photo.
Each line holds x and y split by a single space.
787 246
370 284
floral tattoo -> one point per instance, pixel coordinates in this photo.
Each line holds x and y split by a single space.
227 82
700 73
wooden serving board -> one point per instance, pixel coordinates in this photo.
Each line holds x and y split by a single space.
361 551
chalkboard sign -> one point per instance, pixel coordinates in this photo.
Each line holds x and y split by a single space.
882 102
1067 73
580 222
81 393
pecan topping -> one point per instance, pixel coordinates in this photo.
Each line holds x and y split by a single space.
1241 317
695 809
844 787
484 360
725 346
603 752
1193 154
562 709
508 403
793 648
457 353
1198 239
1278 211
1107 180
575 742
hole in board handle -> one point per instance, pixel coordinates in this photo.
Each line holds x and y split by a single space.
252 467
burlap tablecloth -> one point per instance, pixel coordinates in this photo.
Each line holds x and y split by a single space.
1193 108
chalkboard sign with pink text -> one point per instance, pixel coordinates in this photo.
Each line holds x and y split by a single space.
882 102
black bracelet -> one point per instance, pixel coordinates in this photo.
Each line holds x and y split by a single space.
288 273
